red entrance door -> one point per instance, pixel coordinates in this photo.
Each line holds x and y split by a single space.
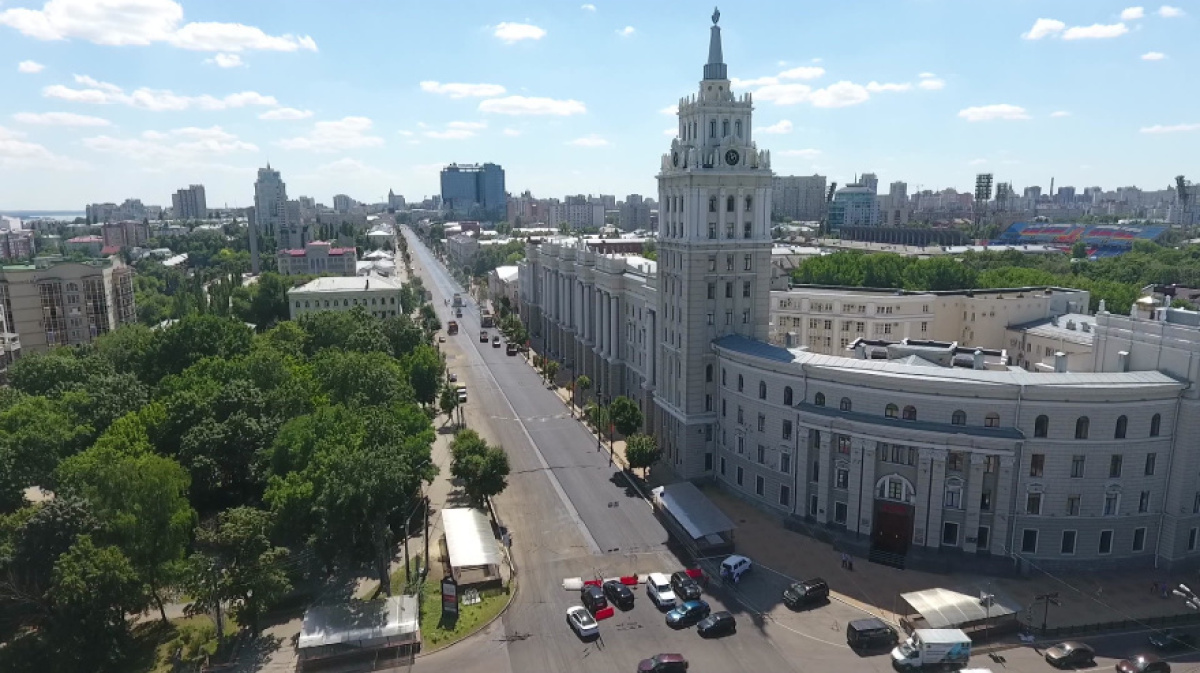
893 527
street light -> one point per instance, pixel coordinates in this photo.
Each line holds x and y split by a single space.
1049 598
1189 597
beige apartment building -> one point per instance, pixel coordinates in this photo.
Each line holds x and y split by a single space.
67 303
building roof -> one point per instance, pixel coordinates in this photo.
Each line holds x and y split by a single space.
86 239
347 284
946 609
696 513
469 539
507 273
110 250
1068 327
358 621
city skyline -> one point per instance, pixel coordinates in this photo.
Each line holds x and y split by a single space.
172 95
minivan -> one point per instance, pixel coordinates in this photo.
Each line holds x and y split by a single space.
807 592
870 634
733 567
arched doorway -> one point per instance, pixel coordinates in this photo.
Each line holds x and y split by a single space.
893 522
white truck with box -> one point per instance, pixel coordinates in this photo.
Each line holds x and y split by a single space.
946 649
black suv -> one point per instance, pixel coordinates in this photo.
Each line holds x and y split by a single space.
685 588
807 592
593 598
619 594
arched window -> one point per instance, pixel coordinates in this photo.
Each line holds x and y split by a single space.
305 303
737 128
712 204
762 390
297 303
1081 427
958 418
741 383
787 396
910 413
1155 424
729 204
1122 426
819 399
896 488
845 404
724 128
891 411
1041 426
708 373
749 203
992 420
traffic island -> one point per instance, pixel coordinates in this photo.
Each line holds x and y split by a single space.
438 630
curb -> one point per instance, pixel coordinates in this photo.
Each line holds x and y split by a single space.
482 627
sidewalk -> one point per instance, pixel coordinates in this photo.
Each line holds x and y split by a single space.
1086 598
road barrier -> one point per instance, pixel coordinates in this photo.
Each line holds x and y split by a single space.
605 613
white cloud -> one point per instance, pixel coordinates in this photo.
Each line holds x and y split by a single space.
157 100
18 153
59 119
977 162
932 83
226 61
592 140
510 33
1057 114
462 90
457 131
512 133
752 83
782 126
626 31
985 113
1174 128
1169 12
803 72
142 22
876 87
841 94
589 7
1096 31
784 94
285 114
926 75
1131 13
671 110
405 133
806 153
348 167
1153 56
1044 28
30 67
335 136
670 133
522 105
185 146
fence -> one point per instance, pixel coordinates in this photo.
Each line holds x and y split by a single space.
1181 619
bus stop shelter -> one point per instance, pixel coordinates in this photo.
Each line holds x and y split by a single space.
472 551
976 614
372 633
693 518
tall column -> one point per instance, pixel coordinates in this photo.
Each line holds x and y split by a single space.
937 493
973 489
858 484
1002 501
614 326
924 483
825 468
866 516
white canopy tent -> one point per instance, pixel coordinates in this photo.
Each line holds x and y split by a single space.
471 547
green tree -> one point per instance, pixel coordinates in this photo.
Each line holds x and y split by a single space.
36 433
448 401
403 334
332 329
425 371
51 372
550 371
194 338
361 378
1079 250
641 451
625 415
583 384
141 503
482 469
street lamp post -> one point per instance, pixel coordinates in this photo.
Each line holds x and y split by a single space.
1048 598
599 432
1189 597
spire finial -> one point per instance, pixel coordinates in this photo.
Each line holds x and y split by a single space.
715 68
716 15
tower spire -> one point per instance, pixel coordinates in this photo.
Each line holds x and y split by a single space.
715 68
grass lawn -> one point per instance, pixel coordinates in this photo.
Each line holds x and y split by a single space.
436 633
155 643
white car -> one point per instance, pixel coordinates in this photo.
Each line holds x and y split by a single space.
582 622
658 588
733 567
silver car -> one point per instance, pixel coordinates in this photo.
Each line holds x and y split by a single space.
582 622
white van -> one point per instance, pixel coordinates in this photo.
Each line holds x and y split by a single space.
658 588
733 567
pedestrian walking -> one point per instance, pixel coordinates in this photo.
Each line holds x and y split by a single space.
1154 587
850 564
845 560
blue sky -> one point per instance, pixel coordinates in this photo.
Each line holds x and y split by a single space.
106 99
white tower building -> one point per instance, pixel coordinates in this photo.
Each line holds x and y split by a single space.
714 261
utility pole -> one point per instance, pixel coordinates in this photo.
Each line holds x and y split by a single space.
1048 598
425 568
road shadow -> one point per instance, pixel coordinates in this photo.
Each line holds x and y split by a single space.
622 479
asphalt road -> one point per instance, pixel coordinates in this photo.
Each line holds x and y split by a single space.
571 515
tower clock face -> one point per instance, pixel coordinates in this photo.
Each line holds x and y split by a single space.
732 157
675 158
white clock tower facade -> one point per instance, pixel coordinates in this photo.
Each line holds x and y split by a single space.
714 262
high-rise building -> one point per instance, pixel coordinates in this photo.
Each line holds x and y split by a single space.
342 203
190 203
66 304
395 200
635 213
870 181
853 206
799 197
472 190
714 237
270 212
1033 193
1066 195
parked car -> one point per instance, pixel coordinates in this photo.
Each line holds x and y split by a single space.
441 338
733 567
807 592
453 377
1171 639
462 394
663 663
619 594
483 337
870 634
687 614
511 349
1070 654
658 588
496 341
582 622
1143 663
686 588
716 624
593 598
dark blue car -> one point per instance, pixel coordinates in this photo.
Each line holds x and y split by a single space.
687 614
